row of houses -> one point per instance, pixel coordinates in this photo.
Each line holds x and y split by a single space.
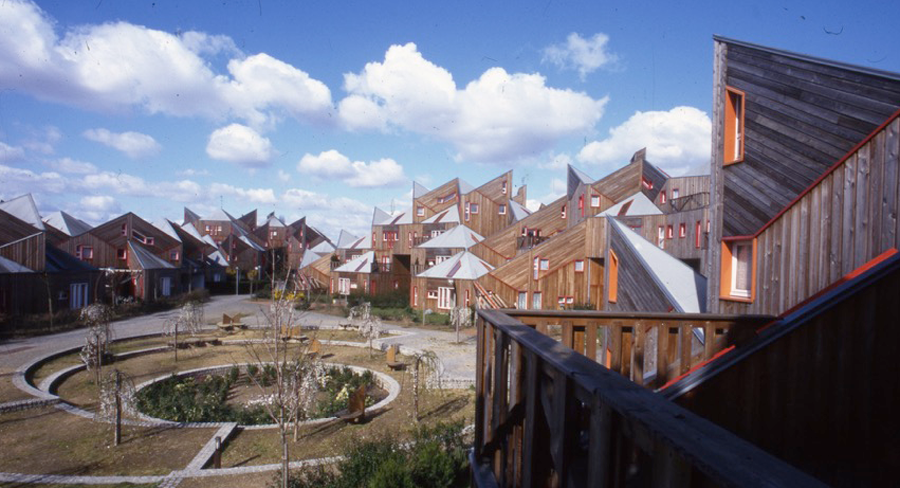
59 262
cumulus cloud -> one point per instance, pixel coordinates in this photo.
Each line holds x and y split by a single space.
334 165
240 145
284 175
10 154
134 144
193 172
556 162
580 54
121 66
327 213
16 181
676 141
262 196
496 118
72 166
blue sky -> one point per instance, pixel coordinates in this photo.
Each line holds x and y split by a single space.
326 109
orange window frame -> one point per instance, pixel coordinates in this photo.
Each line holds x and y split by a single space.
613 291
735 130
725 292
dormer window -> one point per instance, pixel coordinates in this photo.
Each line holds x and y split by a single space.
420 211
734 126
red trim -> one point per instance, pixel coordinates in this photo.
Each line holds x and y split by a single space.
818 180
698 366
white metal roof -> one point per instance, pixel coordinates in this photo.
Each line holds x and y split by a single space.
419 189
461 266
459 237
465 187
309 257
638 204
518 210
167 227
10 266
685 287
24 208
448 215
68 224
362 264
323 247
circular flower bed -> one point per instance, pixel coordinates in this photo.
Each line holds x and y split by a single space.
245 395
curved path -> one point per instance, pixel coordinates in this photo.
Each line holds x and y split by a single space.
458 362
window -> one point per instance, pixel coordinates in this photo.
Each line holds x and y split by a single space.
436 233
522 303
420 211
579 266
738 274
173 255
467 211
273 234
545 264
613 291
674 193
149 241
662 197
344 286
445 298
432 294
561 301
537 266
562 212
87 253
122 253
219 228
697 236
385 264
646 183
374 240
446 198
502 209
669 232
165 284
581 205
124 229
734 126
682 230
78 295
661 237
503 187
595 201
415 296
536 300
207 229
409 237
440 259
466 302
474 208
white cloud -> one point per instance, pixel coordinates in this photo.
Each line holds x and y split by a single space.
97 208
284 175
241 145
498 117
9 154
69 165
676 141
193 172
99 202
580 54
329 214
261 196
17 181
134 144
332 164
43 140
556 162
121 66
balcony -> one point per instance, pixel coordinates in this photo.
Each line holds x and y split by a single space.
528 242
689 202
551 415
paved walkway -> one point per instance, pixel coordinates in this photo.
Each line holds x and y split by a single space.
458 370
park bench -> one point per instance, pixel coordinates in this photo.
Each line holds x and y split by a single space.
356 407
392 358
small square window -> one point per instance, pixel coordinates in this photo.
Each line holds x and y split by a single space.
474 208
570 300
562 212
503 187
87 252
502 209
545 264
674 193
420 211
122 253
595 201
670 233
579 266
124 229
173 255
682 230
432 294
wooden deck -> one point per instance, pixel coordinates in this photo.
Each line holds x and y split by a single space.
548 416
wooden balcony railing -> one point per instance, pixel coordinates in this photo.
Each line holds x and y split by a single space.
689 202
546 416
527 242
639 346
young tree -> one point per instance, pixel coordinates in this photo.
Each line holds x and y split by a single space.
369 327
460 317
116 390
188 319
296 373
99 335
428 363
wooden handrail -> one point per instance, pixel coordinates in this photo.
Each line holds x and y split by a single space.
546 416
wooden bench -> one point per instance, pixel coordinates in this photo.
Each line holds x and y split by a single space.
392 362
356 407
315 348
230 322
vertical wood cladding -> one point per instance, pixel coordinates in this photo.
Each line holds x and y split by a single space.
847 219
30 251
637 289
436 200
502 246
801 116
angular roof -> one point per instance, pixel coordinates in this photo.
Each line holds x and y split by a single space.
462 266
309 257
323 247
146 259
637 204
401 217
379 216
192 231
347 240
24 208
685 288
362 264
58 261
419 190
217 258
68 224
459 237
464 187
166 226
273 221
9 266
209 240
448 215
576 176
246 240
518 210
218 215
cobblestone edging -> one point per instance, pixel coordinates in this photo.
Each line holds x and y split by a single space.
19 405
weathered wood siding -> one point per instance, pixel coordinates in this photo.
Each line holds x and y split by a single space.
847 219
637 289
501 246
686 185
684 248
430 201
28 251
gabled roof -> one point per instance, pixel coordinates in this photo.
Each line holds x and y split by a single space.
518 210
323 247
464 187
379 216
190 216
192 231
362 264
58 261
246 240
419 190
273 221
462 266
347 240
397 218
209 240
66 223
146 259
167 227
309 257
217 258
449 215
459 237
24 208
685 288
218 215
8 266
576 176
637 204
